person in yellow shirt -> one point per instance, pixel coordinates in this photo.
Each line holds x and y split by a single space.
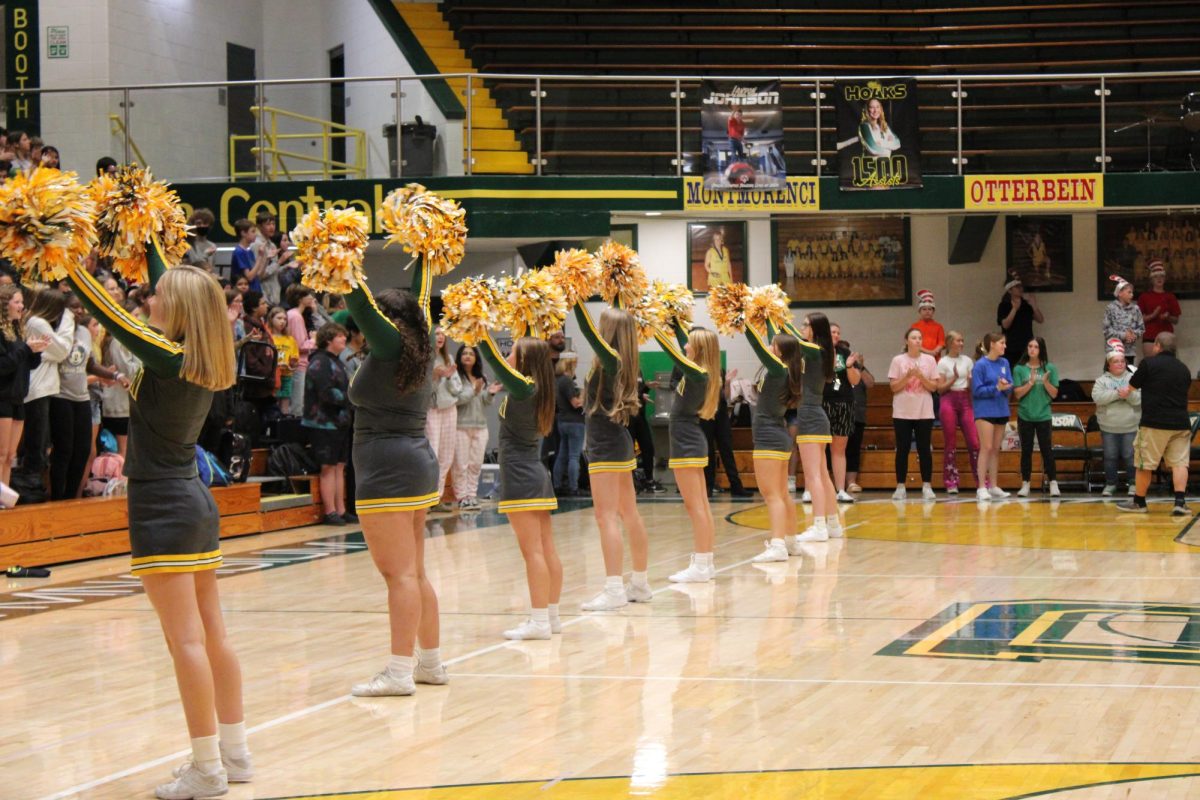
717 263
287 356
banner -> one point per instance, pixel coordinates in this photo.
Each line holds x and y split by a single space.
741 131
1033 192
878 135
797 194
22 66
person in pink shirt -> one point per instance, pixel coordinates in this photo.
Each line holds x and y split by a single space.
299 327
1160 309
913 378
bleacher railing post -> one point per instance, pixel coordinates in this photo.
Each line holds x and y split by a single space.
1103 92
537 124
399 125
125 122
678 128
470 155
817 100
958 96
260 131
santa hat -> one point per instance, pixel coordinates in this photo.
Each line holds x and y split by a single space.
1121 284
1157 268
1115 348
1014 280
925 298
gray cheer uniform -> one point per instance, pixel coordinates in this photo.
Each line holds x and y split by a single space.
608 444
771 438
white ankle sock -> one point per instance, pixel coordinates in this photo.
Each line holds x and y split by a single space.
833 522
704 560
553 610
400 665
206 752
429 658
614 584
776 542
640 578
541 616
819 523
233 738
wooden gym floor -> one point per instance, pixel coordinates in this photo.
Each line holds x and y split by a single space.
940 651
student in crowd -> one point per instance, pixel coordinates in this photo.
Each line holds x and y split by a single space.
201 252
1160 308
235 311
47 316
1015 315
287 359
991 386
441 425
302 325
1123 318
326 419
18 357
1035 385
639 429
954 384
719 433
913 378
1118 411
276 255
568 415
471 436
854 445
246 262
933 335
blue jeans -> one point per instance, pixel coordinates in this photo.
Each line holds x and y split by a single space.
1117 446
570 447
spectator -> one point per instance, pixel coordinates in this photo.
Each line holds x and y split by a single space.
1160 309
1035 385
18 358
202 252
441 423
719 432
639 429
114 395
301 325
49 158
241 284
272 255
246 262
913 378
838 403
106 165
954 382
288 356
1118 411
1015 316
20 145
471 437
854 446
568 416
235 310
326 419
1164 432
1123 318
255 308
991 385
46 317
356 348
550 444
114 289
933 335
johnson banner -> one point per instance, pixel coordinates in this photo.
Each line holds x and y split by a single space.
742 135
878 134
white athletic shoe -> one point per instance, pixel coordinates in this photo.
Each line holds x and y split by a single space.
693 574
806 497
900 494
528 630
927 493
434 676
845 497
1024 490
791 483
1054 492
385 684
1132 490
555 624
1109 490
997 493
192 784
983 495
951 490
237 770
813 534
773 552
606 601
836 533
638 594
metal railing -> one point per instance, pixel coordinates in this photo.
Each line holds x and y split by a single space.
117 124
954 96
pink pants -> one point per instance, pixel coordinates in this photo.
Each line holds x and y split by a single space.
469 446
440 428
955 411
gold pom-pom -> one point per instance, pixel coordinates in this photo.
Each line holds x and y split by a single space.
767 304
622 279
532 304
650 314
470 309
727 307
578 273
330 246
426 226
46 223
678 300
132 209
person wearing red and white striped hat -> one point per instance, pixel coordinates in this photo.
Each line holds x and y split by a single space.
1160 308
1123 318
1118 412
933 335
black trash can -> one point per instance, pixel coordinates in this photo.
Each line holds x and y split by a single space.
416 149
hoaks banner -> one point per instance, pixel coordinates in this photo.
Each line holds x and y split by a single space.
878 134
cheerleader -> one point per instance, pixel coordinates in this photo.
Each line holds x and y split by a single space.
696 398
816 349
526 489
187 354
611 399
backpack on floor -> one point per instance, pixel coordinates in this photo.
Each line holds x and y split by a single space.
106 468
210 469
234 452
290 458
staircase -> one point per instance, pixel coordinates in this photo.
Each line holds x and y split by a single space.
494 146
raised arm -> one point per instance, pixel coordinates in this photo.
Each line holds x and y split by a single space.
769 360
689 367
156 264
380 332
519 387
159 354
422 289
681 335
609 359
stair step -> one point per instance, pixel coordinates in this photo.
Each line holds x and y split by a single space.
486 116
493 139
502 162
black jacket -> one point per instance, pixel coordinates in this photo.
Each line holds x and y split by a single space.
16 362
1164 381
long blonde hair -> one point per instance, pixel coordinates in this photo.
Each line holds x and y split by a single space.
194 313
618 329
11 329
706 350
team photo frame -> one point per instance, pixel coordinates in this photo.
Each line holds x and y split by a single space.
842 261
1127 243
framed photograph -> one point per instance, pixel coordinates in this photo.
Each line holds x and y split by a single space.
1038 249
1127 243
622 234
825 260
716 254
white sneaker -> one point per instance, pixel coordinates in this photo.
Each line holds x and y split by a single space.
192 784
237 770
983 495
927 493
434 676
951 490
900 494
635 593
835 533
385 684
773 552
606 601
791 483
1109 490
1132 490
528 630
814 534
555 624
1024 490
844 497
806 497
1054 492
997 493
693 574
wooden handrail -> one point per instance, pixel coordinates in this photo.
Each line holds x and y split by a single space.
814 11
787 46
1112 23
781 69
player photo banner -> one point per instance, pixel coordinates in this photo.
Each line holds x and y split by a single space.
878 137
741 125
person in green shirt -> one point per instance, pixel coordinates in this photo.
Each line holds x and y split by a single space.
1035 384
